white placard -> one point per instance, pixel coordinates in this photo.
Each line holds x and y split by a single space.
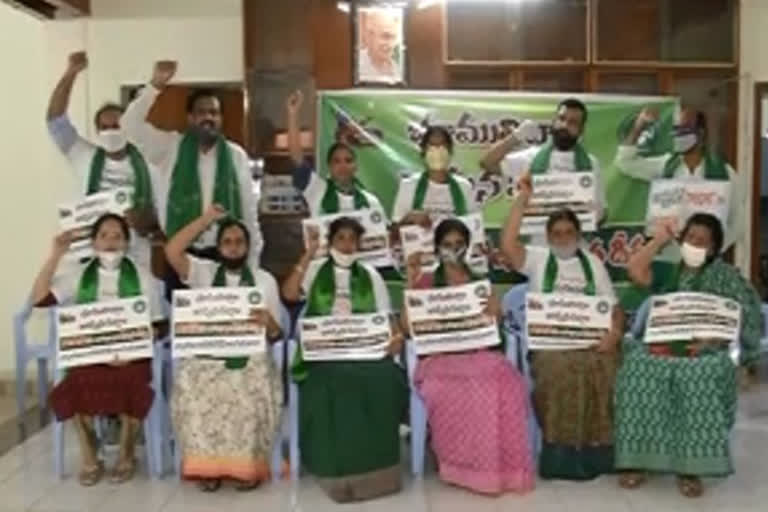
374 246
103 332
217 322
417 239
687 316
79 216
555 191
451 319
345 337
676 200
557 321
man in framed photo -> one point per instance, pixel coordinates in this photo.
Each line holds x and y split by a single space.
380 52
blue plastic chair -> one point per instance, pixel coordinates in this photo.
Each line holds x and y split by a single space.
276 460
515 352
153 437
41 351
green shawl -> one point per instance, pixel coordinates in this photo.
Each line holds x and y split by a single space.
551 270
457 196
714 166
185 199
330 201
142 191
220 281
128 282
540 162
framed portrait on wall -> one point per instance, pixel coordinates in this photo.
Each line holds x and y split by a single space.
379 45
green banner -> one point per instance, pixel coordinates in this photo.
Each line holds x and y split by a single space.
385 127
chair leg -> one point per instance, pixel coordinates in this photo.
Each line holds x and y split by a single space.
58 448
293 411
418 434
276 466
21 391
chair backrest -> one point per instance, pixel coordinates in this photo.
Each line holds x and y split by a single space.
639 319
764 337
513 308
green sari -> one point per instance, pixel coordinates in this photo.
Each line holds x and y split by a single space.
674 414
350 412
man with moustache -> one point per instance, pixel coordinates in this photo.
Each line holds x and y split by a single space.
200 166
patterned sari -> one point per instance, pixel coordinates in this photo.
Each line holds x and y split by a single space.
674 414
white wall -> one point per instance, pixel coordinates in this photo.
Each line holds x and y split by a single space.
754 68
122 41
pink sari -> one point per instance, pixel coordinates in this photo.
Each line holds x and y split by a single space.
477 408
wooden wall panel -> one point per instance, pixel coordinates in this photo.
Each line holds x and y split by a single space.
424 40
331 46
628 30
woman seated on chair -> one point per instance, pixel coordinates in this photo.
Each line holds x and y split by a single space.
676 402
349 411
573 389
226 412
121 388
477 401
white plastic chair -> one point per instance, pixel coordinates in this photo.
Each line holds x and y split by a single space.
284 430
41 351
515 352
153 434
764 339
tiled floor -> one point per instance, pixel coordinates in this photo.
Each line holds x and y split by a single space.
27 483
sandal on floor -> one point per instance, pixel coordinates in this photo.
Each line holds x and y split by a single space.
123 472
690 486
632 479
91 476
209 485
247 486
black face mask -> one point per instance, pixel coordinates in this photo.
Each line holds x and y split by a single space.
563 140
233 263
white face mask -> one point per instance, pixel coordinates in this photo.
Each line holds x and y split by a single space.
343 260
112 140
693 256
685 143
565 252
438 158
450 255
110 260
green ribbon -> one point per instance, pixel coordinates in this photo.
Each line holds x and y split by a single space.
322 295
457 196
142 184
540 162
246 280
551 270
185 200
330 201
128 283
714 166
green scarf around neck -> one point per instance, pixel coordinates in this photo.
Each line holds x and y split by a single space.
322 295
128 282
457 196
185 199
540 162
714 166
142 183
220 281
330 201
551 270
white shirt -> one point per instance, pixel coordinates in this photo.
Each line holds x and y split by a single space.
367 72
202 273
570 276
515 163
437 201
116 174
315 191
651 168
66 283
342 304
161 148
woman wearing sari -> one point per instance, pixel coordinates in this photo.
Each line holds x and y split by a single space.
349 411
676 402
573 389
341 192
476 400
437 191
226 412
118 389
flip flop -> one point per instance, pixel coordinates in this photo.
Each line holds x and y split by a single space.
690 486
247 486
91 476
632 479
209 485
123 472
